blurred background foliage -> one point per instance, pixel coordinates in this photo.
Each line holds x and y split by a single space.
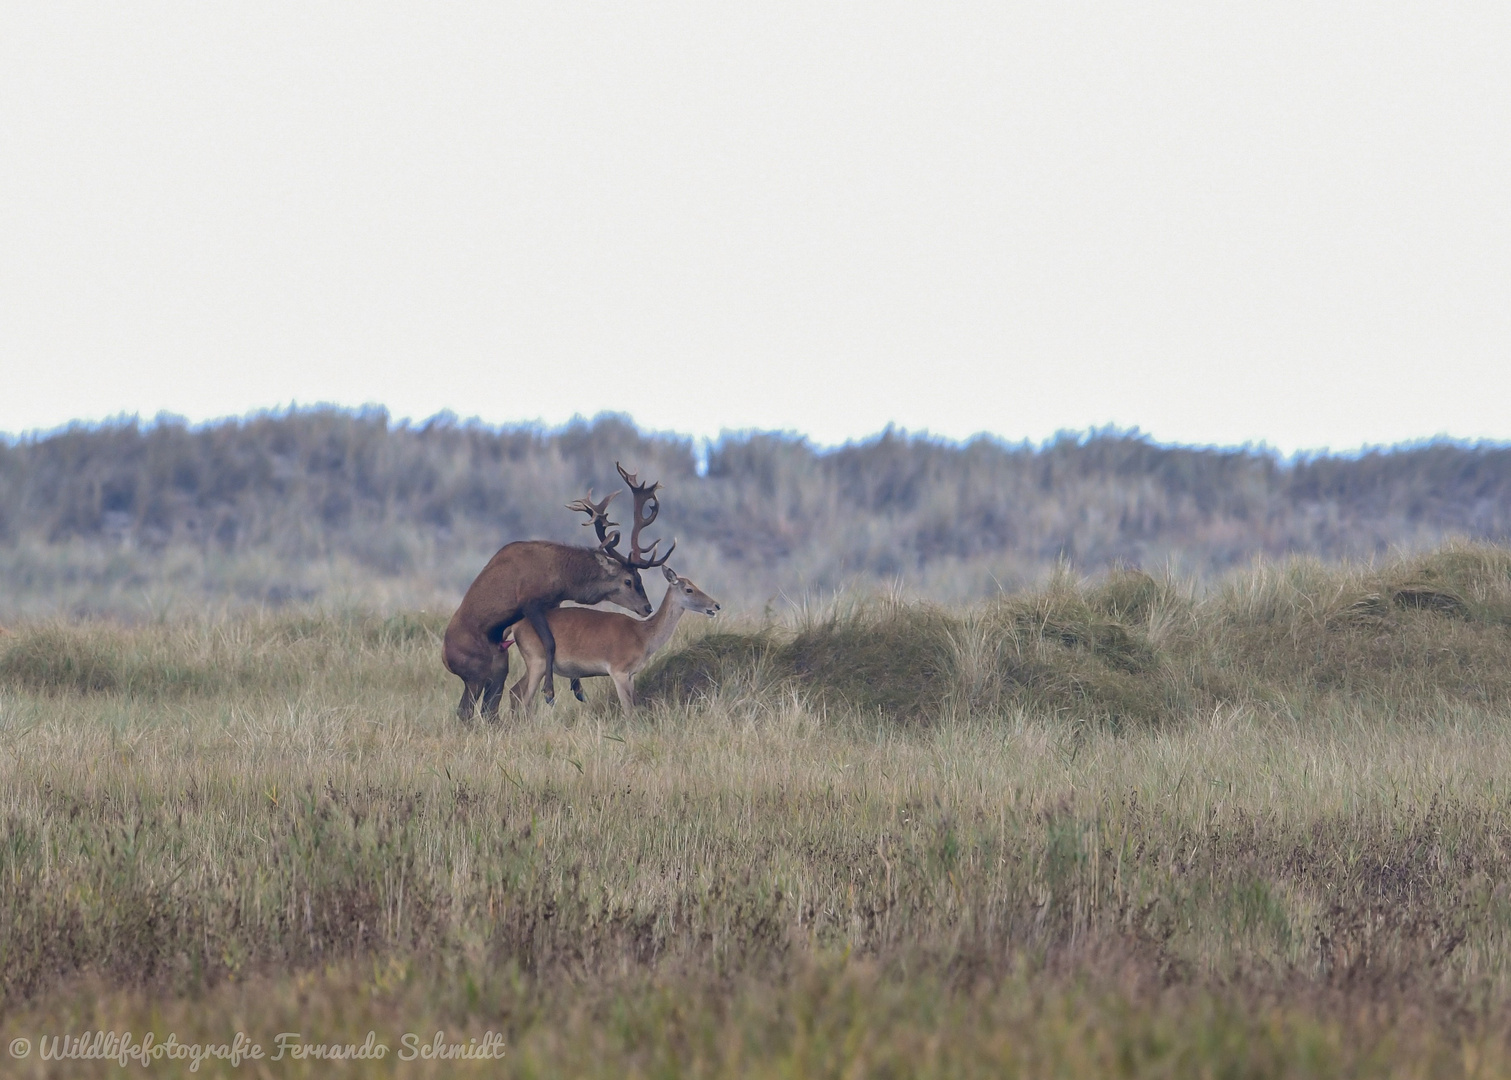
324 504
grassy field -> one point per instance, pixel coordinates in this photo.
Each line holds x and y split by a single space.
1105 828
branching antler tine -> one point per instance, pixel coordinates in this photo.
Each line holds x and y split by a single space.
647 506
588 506
601 520
653 563
597 513
600 509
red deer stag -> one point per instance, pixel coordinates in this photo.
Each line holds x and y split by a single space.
592 642
527 578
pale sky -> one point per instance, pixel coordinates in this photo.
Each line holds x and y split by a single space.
1284 222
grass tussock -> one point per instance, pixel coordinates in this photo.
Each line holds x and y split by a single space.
1133 649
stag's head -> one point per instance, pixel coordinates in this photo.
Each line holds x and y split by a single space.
623 571
687 595
621 586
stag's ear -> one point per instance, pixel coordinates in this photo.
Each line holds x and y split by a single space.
671 575
609 565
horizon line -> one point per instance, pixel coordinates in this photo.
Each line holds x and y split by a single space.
702 444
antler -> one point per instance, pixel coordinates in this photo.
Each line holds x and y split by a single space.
647 506
598 517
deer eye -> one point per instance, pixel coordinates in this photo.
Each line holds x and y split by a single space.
630 582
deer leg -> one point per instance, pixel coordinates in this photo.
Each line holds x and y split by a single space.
492 693
522 693
470 693
492 689
577 690
532 692
624 682
537 619
519 697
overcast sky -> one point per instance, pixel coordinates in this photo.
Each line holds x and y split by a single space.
1284 222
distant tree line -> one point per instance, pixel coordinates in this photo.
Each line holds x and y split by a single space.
310 483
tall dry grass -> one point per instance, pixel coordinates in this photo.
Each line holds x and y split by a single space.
1116 826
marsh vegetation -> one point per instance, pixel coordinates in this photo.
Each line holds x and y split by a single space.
1119 826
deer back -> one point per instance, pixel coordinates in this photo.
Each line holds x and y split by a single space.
546 573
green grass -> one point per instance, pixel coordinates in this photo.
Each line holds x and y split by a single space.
1110 827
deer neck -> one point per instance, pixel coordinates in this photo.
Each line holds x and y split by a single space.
658 629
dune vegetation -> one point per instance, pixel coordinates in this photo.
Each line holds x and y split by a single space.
1121 825
350 509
